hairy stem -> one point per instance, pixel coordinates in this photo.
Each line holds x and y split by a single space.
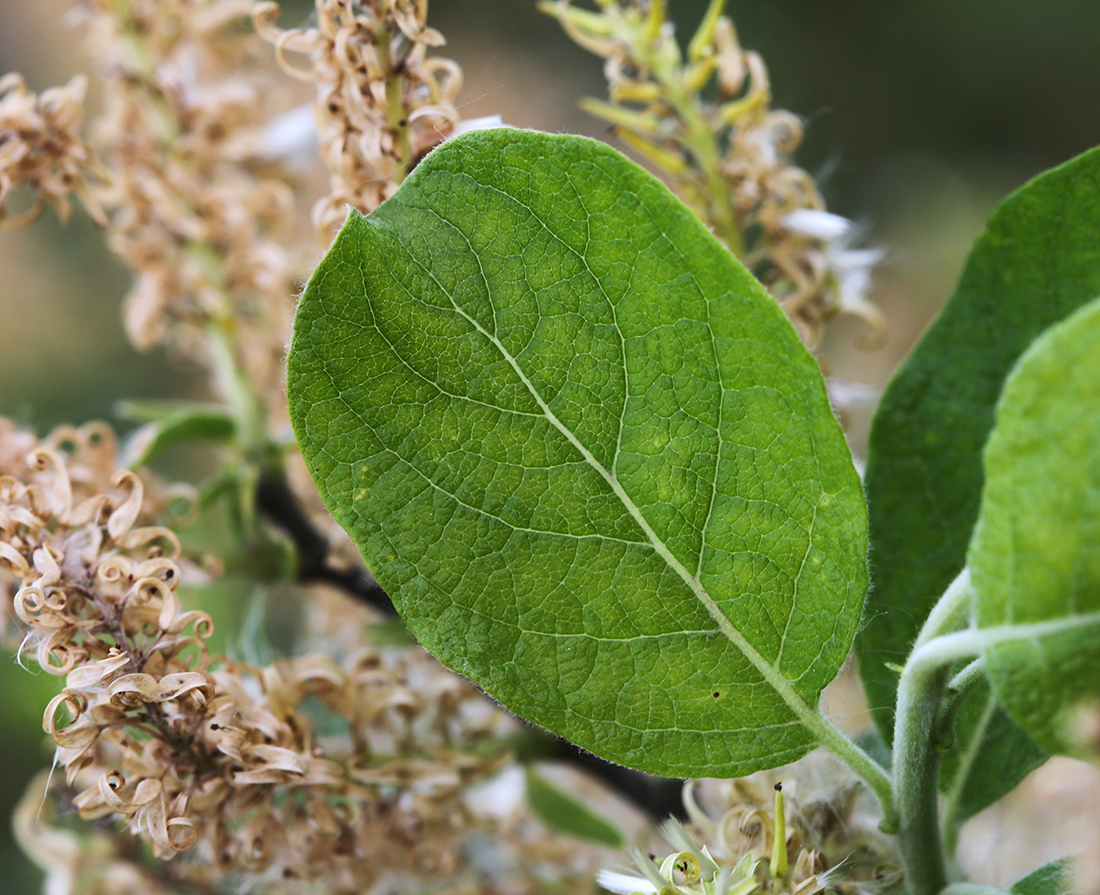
916 758
966 682
916 778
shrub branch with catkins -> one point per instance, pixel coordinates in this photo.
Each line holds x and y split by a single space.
382 102
204 755
227 767
729 158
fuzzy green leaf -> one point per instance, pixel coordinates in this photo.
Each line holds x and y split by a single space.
185 425
560 811
1037 261
1050 879
585 453
1035 559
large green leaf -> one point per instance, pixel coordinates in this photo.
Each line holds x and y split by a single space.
585 453
1037 261
1035 559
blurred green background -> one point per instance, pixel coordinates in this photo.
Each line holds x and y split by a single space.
920 116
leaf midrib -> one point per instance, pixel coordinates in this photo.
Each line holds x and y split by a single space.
771 673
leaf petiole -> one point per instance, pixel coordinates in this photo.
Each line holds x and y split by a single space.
973 642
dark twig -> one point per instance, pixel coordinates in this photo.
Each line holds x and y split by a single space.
279 505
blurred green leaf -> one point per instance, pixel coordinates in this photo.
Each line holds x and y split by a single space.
1050 879
1037 261
184 425
560 811
1035 558
154 410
